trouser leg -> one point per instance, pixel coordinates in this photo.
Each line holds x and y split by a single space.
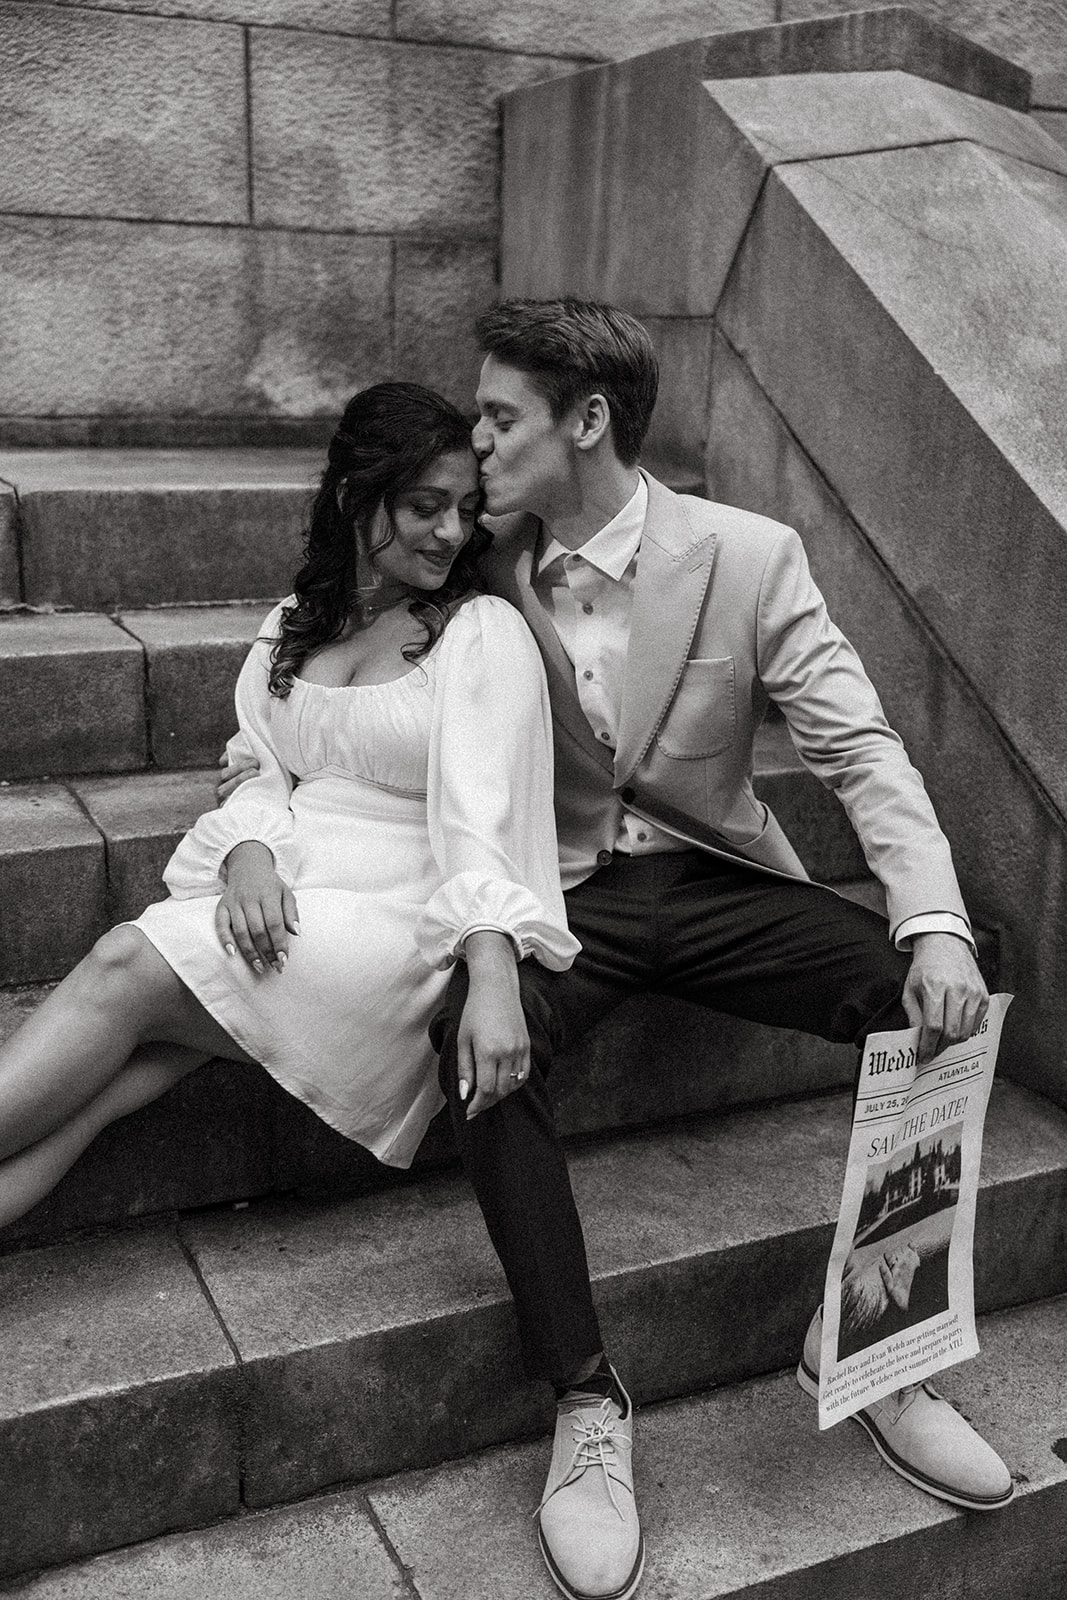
511 1152
513 1158
792 955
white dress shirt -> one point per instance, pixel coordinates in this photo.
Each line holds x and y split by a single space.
588 594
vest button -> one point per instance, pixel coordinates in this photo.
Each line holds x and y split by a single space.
603 858
628 796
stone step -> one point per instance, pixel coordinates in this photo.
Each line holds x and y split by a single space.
741 1499
76 857
82 692
108 837
85 693
102 529
160 1376
229 1133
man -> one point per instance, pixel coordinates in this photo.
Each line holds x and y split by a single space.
667 625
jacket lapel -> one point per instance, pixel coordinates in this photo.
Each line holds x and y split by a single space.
511 571
673 571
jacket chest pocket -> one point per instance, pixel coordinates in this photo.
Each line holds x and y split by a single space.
701 719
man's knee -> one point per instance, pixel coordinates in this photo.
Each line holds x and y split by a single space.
873 999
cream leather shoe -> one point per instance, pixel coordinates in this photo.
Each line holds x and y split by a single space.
587 1522
921 1436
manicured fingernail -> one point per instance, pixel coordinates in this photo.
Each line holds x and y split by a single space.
231 949
296 927
464 1088
282 959
257 966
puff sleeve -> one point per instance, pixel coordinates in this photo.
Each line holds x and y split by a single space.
489 793
259 808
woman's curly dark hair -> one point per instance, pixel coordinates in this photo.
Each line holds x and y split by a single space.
388 436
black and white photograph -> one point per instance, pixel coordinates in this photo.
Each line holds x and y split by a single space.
533 566
896 1274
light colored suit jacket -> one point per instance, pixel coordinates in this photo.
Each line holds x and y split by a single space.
726 617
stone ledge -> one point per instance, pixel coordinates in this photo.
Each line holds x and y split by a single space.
104 529
677 155
163 432
127 471
820 114
228 1133
681 1229
141 816
71 696
116 1421
743 1499
902 311
704 1275
985 797
81 692
141 819
192 658
52 883
891 37
740 1497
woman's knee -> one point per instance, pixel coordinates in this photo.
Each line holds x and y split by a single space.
122 965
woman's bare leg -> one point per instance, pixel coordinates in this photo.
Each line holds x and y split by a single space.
123 994
27 1177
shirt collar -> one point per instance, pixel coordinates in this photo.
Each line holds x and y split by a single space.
612 548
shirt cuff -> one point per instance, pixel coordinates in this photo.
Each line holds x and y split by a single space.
932 922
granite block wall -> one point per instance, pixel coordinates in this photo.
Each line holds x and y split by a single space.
220 213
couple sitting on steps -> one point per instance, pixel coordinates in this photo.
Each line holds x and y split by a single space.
384 873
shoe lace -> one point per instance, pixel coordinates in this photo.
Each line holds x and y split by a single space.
594 1446
905 1395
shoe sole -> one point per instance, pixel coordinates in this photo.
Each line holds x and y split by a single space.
809 1382
580 1594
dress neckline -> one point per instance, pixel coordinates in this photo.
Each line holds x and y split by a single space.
386 683
348 688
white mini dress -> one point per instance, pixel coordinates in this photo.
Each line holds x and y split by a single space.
404 816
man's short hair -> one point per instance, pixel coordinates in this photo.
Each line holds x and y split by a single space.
571 349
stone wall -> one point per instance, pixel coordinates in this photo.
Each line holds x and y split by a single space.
240 210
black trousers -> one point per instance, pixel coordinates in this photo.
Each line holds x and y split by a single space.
793 955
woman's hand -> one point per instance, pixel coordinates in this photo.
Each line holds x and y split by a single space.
232 774
494 1045
257 910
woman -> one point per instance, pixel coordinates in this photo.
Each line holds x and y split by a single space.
311 925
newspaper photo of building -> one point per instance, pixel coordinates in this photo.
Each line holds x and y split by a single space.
897 1270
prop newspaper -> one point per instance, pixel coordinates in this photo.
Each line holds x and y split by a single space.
899 1302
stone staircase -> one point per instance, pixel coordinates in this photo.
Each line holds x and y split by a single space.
233 1342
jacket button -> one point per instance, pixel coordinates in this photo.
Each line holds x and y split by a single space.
628 796
603 858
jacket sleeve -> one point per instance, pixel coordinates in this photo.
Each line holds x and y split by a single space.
840 732
489 793
259 807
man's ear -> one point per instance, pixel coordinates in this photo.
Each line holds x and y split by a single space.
593 422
